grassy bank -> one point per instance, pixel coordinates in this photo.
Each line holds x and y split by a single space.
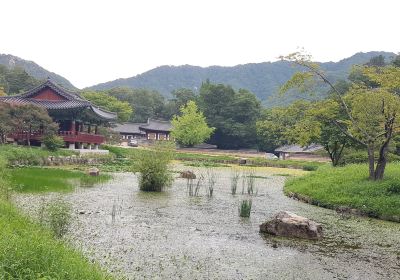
34 179
125 157
349 187
30 252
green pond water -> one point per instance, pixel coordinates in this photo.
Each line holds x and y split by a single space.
171 235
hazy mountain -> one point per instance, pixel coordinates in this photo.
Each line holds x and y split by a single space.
33 69
263 79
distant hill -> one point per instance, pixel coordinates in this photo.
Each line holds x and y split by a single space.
263 79
34 70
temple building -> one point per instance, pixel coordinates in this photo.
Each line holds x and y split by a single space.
151 130
77 118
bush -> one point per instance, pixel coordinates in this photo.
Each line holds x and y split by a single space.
310 167
394 188
53 142
153 167
56 215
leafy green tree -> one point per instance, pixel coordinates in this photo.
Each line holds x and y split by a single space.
31 118
180 98
190 128
145 103
372 112
122 108
232 113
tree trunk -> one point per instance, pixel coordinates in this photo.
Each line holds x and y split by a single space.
382 160
371 162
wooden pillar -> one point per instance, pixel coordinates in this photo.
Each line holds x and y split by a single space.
89 128
72 127
96 129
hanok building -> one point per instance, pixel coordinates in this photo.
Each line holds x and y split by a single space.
299 152
151 130
77 118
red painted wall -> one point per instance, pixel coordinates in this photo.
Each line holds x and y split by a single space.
48 94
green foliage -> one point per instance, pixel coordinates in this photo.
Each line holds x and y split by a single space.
361 156
191 127
38 180
122 108
53 142
349 187
245 208
232 113
145 103
30 252
152 165
56 215
235 176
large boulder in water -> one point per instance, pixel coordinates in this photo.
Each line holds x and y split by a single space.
291 225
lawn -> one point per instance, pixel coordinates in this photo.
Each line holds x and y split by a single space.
32 179
349 186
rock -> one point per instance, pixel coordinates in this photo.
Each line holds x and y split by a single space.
94 171
82 212
242 161
188 175
291 225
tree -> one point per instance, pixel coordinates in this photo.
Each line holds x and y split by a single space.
180 98
232 113
145 103
123 109
371 111
6 123
30 118
191 127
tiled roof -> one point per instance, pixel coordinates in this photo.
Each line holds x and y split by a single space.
157 125
298 149
138 128
129 128
73 101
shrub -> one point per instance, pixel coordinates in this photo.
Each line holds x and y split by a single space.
152 165
245 208
56 215
310 167
53 142
394 188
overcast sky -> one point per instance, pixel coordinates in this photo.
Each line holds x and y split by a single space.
90 42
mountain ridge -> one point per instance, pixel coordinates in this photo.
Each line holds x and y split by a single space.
34 69
263 79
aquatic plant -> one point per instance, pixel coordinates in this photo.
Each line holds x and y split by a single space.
251 179
211 181
235 176
56 215
245 208
152 165
194 189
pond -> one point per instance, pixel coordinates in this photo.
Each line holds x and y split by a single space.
172 235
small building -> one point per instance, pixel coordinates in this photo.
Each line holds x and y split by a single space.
151 130
298 152
77 118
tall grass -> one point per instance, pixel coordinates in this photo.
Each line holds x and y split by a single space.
235 176
30 252
193 186
211 181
